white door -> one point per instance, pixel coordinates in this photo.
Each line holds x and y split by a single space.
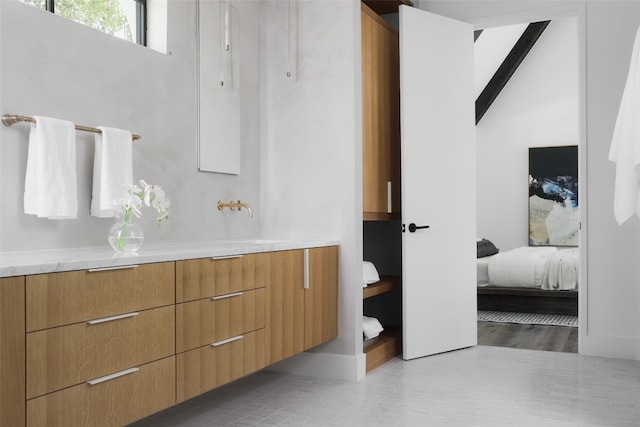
438 183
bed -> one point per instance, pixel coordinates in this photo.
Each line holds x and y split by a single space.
529 279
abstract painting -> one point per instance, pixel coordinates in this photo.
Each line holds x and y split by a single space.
554 218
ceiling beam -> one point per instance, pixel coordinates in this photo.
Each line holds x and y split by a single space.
508 67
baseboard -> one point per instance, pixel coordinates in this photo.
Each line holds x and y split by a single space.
324 365
606 346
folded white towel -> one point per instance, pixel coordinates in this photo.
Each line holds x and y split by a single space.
112 169
625 145
369 274
371 327
50 188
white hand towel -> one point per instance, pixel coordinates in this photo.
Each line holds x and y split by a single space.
371 327
112 169
625 146
50 188
369 274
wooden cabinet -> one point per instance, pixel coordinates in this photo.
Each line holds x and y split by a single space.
114 402
12 352
381 161
68 355
285 305
107 347
57 299
220 327
210 366
302 301
219 317
389 343
321 296
380 118
202 278
97 342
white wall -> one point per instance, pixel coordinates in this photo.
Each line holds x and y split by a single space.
610 286
311 129
301 137
538 107
54 67
613 303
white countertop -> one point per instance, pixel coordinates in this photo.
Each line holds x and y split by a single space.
51 261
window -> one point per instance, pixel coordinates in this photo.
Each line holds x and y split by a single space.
125 19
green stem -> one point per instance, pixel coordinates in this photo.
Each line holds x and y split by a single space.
125 222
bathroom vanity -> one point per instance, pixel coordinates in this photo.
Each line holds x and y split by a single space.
89 339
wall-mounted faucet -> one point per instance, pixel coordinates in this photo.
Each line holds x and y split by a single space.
235 205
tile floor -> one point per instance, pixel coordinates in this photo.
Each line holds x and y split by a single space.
478 386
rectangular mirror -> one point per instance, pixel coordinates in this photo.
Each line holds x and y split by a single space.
219 57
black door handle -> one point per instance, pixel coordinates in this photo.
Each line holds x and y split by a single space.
413 227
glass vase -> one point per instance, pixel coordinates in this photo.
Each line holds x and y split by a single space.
125 236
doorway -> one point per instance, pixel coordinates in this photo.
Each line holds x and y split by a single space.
538 107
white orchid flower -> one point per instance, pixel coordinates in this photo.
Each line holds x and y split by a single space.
134 197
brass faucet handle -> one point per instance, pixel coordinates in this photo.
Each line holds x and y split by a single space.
235 206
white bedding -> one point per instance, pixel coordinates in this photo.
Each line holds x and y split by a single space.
563 270
533 267
524 267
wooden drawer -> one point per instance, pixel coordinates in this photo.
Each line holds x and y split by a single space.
211 366
206 277
57 299
114 402
12 344
68 355
208 320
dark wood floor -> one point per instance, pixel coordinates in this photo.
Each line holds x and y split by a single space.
531 337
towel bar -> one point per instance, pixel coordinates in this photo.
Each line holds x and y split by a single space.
12 119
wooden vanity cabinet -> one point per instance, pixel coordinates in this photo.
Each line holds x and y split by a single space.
96 342
380 118
107 347
302 301
220 321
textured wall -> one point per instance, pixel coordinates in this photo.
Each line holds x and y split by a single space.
54 67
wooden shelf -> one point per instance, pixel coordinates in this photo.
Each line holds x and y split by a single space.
388 346
386 284
380 216
382 7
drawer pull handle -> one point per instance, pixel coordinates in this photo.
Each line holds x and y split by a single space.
109 319
119 267
226 257
237 294
228 340
112 376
